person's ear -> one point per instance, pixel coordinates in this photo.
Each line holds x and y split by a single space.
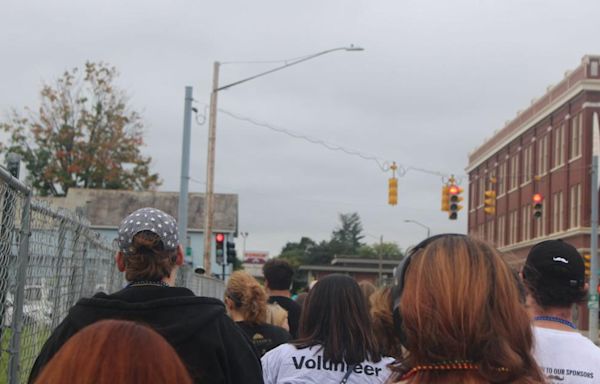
180 259
119 259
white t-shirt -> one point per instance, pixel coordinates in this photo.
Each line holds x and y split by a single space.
566 357
288 365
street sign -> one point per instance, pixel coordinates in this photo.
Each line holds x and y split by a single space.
593 305
593 297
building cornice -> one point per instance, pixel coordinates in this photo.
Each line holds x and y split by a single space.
585 85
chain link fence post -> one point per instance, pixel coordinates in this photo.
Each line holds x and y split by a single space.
22 264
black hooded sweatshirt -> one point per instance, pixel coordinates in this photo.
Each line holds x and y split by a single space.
213 348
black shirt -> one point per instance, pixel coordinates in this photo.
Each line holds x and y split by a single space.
264 337
293 310
211 346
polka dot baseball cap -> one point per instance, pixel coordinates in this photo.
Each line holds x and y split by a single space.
148 219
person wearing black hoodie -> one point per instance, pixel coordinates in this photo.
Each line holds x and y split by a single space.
213 348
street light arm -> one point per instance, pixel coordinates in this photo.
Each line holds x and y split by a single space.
421 225
289 64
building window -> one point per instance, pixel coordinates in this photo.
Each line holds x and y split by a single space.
557 212
502 178
514 172
513 219
481 189
542 165
527 164
526 213
490 231
501 233
559 142
575 206
576 132
472 195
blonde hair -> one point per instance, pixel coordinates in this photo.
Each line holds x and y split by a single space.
248 297
278 316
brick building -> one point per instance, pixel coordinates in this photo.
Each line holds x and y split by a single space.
546 149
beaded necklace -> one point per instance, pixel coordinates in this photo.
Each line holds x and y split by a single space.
556 320
454 365
142 283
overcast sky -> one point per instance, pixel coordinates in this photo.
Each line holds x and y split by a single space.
436 78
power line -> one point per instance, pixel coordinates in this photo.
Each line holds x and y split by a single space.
384 165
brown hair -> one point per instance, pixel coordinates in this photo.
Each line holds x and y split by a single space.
461 302
367 289
115 351
335 317
278 274
248 296
146 258
383 322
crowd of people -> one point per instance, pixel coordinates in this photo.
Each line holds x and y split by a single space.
456 313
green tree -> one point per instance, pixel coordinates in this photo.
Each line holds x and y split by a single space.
82 135
346 239
387 250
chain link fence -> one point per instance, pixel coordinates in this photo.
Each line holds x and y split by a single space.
49 259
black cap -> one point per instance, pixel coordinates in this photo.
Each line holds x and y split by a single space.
557 261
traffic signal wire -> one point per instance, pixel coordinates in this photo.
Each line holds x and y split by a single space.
384 165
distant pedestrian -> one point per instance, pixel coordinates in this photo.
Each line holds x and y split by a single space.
458 314
336 340
554 277
301 298
212 347
115 352
246 303
278 282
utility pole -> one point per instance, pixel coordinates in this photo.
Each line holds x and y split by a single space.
210 170
593 297
244 236
380 260
185 171
212 124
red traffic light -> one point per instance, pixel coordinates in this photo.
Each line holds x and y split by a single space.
537 198
453 190
220 237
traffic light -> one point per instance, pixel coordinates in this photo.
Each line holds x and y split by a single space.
231 252
445 198
587 261
537 205
220 239
489 202
393 191
454 192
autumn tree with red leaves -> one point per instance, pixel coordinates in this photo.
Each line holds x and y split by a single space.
83 135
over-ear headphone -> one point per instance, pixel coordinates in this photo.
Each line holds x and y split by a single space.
399 278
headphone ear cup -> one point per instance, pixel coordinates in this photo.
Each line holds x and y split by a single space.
397 289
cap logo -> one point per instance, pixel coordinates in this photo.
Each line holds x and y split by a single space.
561 259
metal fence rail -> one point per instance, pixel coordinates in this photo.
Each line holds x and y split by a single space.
49 259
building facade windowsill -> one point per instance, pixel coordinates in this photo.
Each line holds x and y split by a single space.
575 158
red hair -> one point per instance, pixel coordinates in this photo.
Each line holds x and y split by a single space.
115 351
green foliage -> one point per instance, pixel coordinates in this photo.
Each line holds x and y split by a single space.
82 135
345 241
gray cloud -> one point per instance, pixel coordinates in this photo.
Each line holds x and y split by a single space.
435 80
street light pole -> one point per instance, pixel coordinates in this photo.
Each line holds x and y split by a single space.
212 129
421 225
